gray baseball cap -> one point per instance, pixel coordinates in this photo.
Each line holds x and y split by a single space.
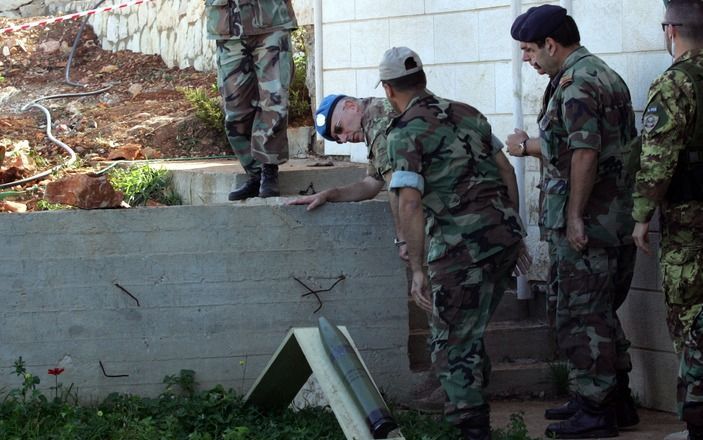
398 62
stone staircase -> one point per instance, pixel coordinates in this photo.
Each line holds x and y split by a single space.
518 341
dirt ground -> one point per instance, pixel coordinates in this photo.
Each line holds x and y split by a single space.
143 108
654 425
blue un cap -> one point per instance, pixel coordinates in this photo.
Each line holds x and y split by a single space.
537 23
323 115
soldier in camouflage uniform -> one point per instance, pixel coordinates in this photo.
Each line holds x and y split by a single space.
254 72
357 120
450 193
585 134
671 178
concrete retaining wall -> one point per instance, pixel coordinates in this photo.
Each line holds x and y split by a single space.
215 286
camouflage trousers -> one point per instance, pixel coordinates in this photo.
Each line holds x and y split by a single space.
254 75
682 268
465 296
591 286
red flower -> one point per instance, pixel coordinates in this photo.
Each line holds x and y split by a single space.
55 371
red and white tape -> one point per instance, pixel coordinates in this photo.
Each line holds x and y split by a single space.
74 16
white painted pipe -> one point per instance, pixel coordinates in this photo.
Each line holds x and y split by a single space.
319 89
523 289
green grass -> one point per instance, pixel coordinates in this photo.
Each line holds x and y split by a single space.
182 412
140 184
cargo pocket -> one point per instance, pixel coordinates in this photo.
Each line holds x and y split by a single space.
683 280
585 279
217 15
556 195
265 14
456 294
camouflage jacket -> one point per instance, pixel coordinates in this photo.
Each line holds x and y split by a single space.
445 147
668 123
234 19
378 113
590 108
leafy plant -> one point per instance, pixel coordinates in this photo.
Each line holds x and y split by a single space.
140 184
516 429
43 205
559 377
207 108
215 414
185 380
299 107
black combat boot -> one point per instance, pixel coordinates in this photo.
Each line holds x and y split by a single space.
694 432
693 416
590 421
250 188
477 426
625 408
562 412
269 181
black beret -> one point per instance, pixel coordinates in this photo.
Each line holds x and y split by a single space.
537 23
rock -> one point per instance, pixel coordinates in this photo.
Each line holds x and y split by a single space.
84 191
6 93
8 206
110 68
10 5
34 9
126 152
12 174
49 46
135 89
150 153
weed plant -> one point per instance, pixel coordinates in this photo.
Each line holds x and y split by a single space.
206 105
140 184
299 107
559 377
182 412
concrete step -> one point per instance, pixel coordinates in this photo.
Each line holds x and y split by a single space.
205 182
521 377
506 342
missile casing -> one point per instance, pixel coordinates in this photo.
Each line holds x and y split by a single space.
356 379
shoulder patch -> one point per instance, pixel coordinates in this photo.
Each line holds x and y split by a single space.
566 80
650 121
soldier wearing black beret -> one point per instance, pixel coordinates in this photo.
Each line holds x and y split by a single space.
585 123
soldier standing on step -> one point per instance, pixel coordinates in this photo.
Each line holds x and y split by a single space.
584 135
451 196
254 72
671 178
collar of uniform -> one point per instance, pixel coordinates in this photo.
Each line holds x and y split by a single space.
569 63
689 54
422 95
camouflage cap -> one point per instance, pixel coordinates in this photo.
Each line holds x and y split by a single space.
398 62
323 115
537 23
